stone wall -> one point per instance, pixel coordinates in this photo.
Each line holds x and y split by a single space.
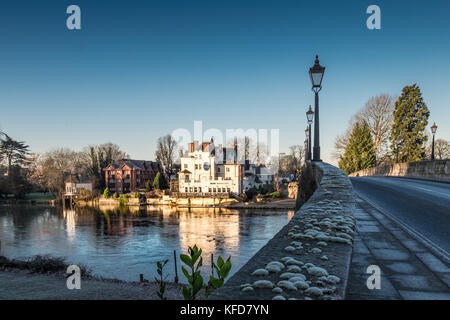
437 170
310 257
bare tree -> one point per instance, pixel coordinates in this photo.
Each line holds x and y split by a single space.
166 153
441 149
378 113
50 169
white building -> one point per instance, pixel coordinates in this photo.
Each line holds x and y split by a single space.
206 168
256 176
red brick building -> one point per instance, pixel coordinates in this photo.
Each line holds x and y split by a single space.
130 175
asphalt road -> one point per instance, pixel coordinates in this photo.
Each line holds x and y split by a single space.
421 206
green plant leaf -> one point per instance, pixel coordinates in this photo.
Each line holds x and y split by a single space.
219 262
186 259
186 274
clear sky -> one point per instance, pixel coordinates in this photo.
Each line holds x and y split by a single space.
140 69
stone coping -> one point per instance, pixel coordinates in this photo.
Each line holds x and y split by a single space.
436 170
310 257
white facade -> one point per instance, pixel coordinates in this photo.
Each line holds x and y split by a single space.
206 169
257 176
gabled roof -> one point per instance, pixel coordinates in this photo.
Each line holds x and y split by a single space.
135 164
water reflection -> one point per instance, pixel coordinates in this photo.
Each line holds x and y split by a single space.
121 242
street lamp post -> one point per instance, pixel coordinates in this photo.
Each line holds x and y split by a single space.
316 74
433 131
310 118
307 155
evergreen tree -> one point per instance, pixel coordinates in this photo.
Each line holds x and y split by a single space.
359 153
408 137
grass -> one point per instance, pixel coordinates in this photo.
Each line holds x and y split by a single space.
41 264
39 196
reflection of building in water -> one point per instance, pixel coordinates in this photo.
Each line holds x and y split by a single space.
70 217
210 229
290 215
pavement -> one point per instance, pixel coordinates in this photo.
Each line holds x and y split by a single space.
402 227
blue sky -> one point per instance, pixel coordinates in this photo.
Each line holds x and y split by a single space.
140 69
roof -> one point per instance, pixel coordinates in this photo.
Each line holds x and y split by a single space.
136 164
185 171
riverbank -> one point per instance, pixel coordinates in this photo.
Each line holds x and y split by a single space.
21 285
43 278
199 203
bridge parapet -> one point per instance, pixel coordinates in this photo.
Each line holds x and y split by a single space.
310 257
436 170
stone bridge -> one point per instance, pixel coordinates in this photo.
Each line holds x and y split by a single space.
310 257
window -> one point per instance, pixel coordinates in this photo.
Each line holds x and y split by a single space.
199 189
218 169
209 190
228 169
186 178
223 190
186 189
185 166
195 189
214 190
228 190
190 189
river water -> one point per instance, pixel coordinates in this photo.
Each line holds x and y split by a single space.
124 242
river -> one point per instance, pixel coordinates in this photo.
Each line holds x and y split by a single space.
125 242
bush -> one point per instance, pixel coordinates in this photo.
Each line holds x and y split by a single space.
148 186
115 195
41 264
275 194
137 195
106 193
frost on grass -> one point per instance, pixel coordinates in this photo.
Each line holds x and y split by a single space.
274 266
278 298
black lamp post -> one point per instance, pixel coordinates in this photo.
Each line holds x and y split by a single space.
316 75
307 156
310 118
433 131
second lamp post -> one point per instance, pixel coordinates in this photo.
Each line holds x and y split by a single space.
316 75
433 131
310 118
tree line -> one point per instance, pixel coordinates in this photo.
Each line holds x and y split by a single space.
388 130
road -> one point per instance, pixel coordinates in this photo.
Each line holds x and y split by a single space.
403 229
423 207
